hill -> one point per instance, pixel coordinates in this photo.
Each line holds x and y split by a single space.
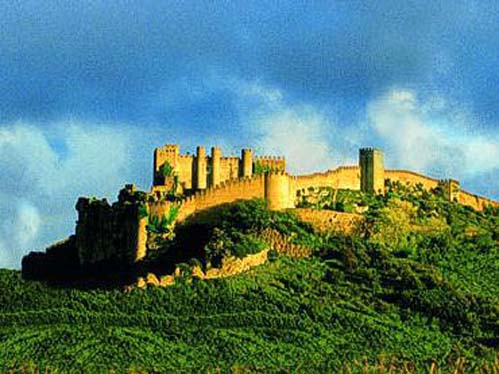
415 285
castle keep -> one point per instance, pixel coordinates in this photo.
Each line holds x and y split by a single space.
200 171
185 185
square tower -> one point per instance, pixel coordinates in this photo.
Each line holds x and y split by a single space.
168 155
372 170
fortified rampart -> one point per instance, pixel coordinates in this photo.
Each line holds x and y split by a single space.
407 177
344 177
119 232
200 171
329 220
226 192
475 201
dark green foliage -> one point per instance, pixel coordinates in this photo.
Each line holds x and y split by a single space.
356 299
166 170
272 255
142 211
335 199
235 230
157 225
231 243
164 224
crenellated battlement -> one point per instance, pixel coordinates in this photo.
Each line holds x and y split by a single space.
269 158
200 171
192 183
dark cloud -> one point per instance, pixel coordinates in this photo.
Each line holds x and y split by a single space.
108 60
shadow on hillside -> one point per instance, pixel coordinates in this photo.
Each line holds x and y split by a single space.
59 265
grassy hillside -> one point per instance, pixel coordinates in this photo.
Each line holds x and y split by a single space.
418 284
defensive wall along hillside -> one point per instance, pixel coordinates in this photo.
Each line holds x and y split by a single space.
119 231
226 192
344 177
276 187
409 177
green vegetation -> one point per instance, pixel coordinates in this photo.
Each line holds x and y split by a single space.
166 170
143 211
335 199
234 230
419 284
161 230
164 224
260 168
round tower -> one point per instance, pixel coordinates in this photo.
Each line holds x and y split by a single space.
247 162
277 191
216 155
201 168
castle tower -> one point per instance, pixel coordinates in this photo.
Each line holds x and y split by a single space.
201 168
216 155
277 191
372 170
168 153
247 162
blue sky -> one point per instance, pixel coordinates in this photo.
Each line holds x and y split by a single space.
88 89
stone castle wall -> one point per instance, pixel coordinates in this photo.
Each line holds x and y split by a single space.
186 170
407 177
201 171
109 232
226 192
475 201
119 231
344 177
282 244
229 168
329 220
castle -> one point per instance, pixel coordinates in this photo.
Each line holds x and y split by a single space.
184 185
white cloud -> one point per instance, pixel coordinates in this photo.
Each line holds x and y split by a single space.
26 224
270 95
431 135
305 135
300 135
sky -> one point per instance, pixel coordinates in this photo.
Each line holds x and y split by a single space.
88 89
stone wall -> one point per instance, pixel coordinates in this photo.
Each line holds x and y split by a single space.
229 168
226 192
407 177
201 171
344 177
185 171
330 221
233 265
282 244
475 201
109 232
